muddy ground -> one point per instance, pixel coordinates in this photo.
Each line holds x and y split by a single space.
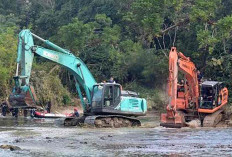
43 137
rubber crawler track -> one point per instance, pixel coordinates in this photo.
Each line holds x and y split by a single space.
103 121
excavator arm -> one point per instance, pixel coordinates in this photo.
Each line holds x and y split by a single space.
25 55
190 71
179 62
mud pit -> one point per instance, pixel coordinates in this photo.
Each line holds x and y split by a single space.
38 137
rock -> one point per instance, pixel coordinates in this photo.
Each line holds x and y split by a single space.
17 140
83 142
110 136
49 141
12 148
48 137
102 138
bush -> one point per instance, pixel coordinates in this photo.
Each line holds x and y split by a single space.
156 97
66 100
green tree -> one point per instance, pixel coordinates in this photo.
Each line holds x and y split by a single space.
8 49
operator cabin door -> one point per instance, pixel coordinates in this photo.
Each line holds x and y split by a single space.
112 95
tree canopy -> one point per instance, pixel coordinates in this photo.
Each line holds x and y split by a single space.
127 39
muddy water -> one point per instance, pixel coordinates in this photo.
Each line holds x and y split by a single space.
38 137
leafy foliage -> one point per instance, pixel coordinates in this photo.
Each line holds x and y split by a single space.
8 46
127 39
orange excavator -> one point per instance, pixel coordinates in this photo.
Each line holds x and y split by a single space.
191 99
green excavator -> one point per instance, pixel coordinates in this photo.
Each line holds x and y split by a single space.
106 104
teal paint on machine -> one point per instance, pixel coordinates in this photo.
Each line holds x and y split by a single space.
131 104
102 98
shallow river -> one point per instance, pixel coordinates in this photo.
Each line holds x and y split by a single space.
39 137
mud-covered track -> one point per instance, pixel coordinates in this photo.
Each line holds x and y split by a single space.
116 122
103 121
212 120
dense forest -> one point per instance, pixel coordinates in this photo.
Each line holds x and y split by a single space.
127 39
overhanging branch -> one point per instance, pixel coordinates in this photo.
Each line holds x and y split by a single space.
180 23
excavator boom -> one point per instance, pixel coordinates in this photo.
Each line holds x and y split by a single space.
25 55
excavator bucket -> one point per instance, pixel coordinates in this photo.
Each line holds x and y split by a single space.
22 99
176 121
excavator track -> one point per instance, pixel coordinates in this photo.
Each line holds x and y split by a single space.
213 119
113 121
103 121
72 121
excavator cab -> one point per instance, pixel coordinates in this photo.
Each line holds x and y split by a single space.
105 96
109 99
210 94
